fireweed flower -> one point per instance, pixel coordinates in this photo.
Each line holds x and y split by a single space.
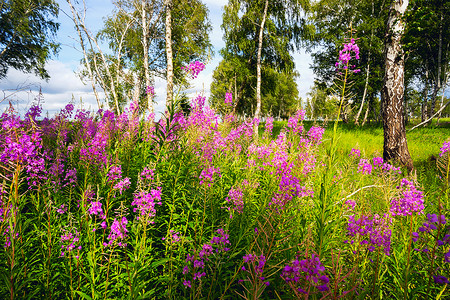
445 148
255 265
293 123
207 175
145 203
174 237
33 112
315 134
147 174
432 221
235 198
288 188
364 167
229 99
150 90
377 162
69 240
122 185
96 210
410 200
373 231
350 204
307 272
194 68
355 153
350 51
114 173
118 233
218 244
440 279
269 127
71 178
62 209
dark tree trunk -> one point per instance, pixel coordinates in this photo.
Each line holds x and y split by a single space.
395 146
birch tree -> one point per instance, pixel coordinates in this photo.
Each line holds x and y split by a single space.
395 146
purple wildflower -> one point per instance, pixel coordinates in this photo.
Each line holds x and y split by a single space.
373 231
364 167
308 271
445 148
145 202
229 99
118 232
410 200
194 68
207 175
355 153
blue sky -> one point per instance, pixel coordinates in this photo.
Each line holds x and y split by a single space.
64 84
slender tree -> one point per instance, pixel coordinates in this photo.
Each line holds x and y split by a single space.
169 53
395 145
258 66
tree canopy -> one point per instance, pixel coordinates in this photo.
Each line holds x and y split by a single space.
281 25
27 35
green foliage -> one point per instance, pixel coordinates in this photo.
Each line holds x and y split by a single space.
320 105
27 39
236 73
330 20
279 92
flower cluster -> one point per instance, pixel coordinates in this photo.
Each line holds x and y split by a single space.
269 127
315 134
367 167
96 209
122 185
114 173
218 244
432 221
364 167
350 50
304 273
377 162
145 203
256 265
207 175
194 68
355 153
293 123
445 148
150 90
118 233
229 99
174 237
69 240
410 200
431 224
235 197
147 174
288 188
373 231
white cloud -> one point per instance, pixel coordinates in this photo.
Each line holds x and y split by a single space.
21 89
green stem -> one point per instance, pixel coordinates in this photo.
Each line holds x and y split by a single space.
107 272
409 251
